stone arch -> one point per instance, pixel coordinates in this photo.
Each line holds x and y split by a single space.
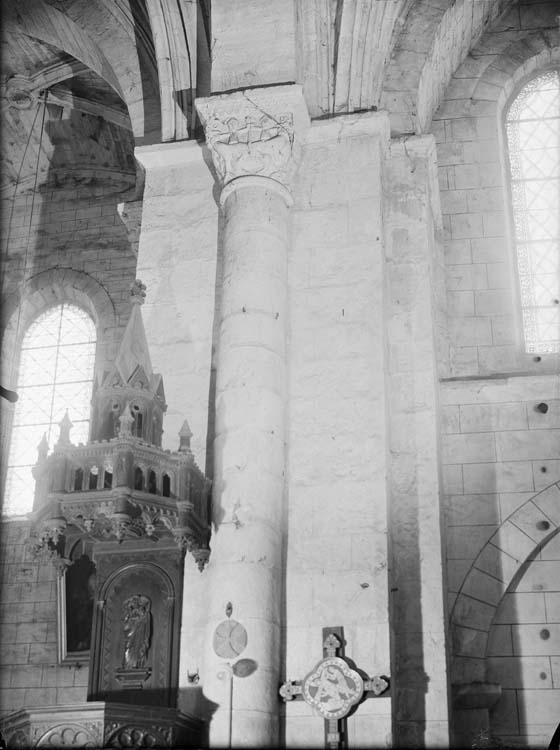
103 54
49 288
43 290
433 43
523 62
515 541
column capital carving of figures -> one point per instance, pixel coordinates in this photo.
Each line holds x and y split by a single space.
255 132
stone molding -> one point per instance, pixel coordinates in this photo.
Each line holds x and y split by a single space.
166 155
351 125
255 132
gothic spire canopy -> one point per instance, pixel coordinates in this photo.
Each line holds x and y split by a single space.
122 486
133 351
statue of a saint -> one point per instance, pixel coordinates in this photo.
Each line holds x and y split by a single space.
137 629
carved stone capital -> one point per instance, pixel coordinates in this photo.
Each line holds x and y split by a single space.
255 132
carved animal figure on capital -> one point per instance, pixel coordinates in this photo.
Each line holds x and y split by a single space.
137 630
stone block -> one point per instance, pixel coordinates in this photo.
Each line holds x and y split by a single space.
492 417
468 449
522 607
486 200
452 479
42 653
466 277
468 510
31 632
521 445
12 653
536 639
552 600
460 303
505 715
458 252
483 587
454 201
449 419
443 179
466 225
491 175
8 632
492 302
40 696
467 177
549 502
551 550
540 575
470 331
450 153
540 421
493 223
530 519
514 476
513 541
67 695
511 501
500 642
503 329
456 572
26 677
465 361
12 699
489 250
498 276
464 129
493 359
17 611
468 641
465 542
497 563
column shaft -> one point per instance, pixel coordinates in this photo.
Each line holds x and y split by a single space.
250 451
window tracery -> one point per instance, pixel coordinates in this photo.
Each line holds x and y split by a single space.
55 374
533 137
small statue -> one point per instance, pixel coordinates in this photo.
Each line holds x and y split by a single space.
137 629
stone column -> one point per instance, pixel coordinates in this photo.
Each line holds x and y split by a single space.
254 138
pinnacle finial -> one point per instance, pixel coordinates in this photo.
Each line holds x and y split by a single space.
185 435
137 292
43 448
65 426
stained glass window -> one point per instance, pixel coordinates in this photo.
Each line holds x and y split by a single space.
55 374
533 136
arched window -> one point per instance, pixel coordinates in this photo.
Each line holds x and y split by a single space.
55 374
533 139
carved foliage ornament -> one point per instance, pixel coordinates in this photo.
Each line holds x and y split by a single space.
255 145
255 132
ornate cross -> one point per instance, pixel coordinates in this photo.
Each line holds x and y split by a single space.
333 688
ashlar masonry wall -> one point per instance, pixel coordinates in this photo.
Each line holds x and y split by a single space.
498 449
30 673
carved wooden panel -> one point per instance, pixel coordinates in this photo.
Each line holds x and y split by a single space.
136 627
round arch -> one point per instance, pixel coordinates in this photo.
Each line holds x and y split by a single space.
501 559
44 290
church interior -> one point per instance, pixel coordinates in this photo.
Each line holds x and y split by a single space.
280 406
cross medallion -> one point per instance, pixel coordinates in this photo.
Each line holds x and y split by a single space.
333 688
